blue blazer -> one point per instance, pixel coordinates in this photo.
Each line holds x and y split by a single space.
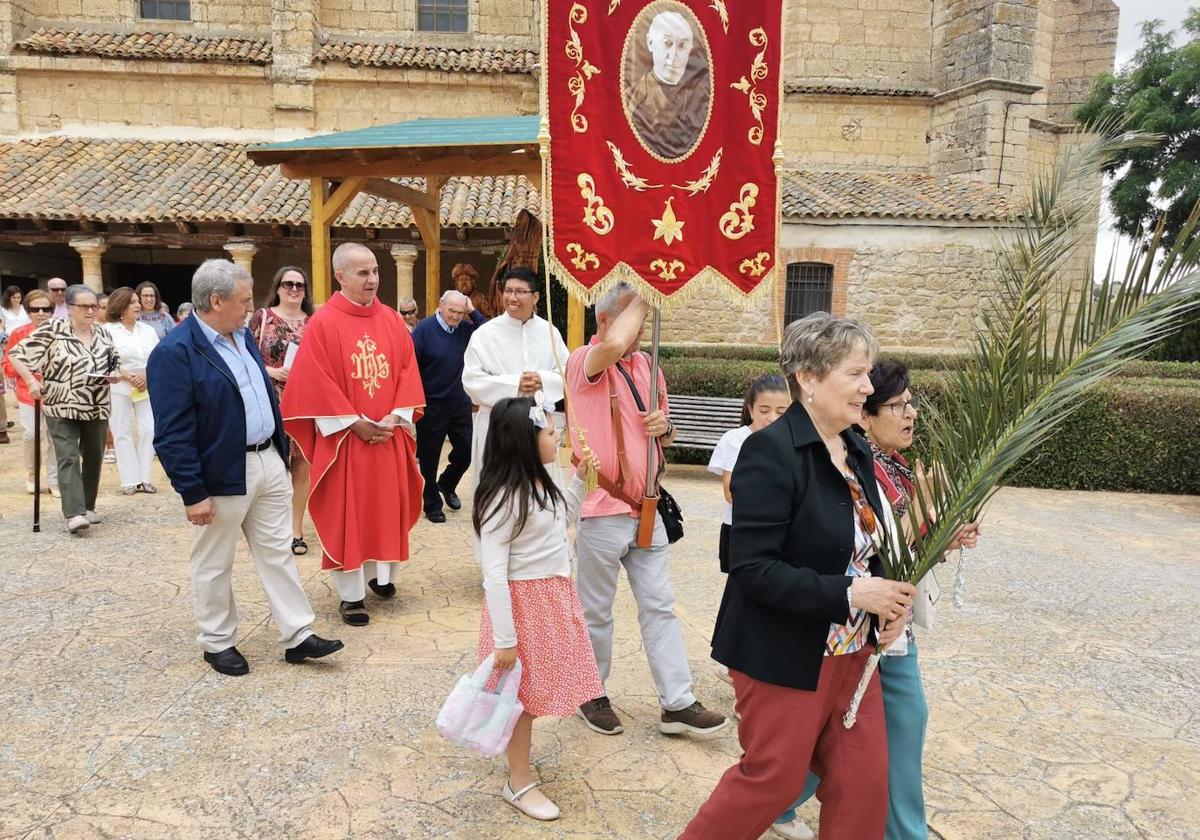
199 417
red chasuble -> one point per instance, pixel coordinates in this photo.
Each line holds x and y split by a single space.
356 360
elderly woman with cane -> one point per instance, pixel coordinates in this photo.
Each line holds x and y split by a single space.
806 601
40 308
77 361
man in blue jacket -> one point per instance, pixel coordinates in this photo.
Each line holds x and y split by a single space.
441 344
219 436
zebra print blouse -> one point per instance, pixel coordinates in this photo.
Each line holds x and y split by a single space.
71 371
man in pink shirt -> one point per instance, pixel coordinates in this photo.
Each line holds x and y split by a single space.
606 538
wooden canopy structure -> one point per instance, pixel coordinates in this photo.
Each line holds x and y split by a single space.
342 165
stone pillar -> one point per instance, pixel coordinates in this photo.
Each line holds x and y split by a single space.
242 252
90 248
405 257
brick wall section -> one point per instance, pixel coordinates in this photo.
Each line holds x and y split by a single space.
839 258
855 132
844 39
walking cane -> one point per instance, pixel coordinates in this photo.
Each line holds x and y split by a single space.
37 465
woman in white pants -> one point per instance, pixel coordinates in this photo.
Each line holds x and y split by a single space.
134 340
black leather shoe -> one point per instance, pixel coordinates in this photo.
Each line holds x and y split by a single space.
435 516
452 500
387 590
314 647
228 662
354 613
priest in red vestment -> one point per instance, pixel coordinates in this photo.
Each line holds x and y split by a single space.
352 397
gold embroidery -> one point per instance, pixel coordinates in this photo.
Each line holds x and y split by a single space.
758 72
612 5
595 215
719 5
627 177
701 184
582 260
668 228
738 220
755 266
370 366
666 271
577 84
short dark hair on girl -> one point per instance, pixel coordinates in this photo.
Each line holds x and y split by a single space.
766 383
889 379
512 472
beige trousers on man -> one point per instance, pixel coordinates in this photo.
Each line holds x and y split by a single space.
264 515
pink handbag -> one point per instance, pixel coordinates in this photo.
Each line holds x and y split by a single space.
480 719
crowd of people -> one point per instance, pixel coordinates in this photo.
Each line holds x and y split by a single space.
259 413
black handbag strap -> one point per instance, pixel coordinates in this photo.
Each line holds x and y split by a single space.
637 399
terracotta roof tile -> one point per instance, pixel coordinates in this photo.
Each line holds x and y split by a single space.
165 46
891 195
146 181
472 60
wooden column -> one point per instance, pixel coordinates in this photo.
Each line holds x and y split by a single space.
321 286
429 223
574 322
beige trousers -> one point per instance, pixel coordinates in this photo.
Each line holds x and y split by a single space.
264 516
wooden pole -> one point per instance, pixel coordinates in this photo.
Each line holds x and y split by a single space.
322 287
574 322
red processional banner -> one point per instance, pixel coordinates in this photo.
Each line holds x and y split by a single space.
664 160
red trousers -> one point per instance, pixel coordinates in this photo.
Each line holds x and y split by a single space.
783 732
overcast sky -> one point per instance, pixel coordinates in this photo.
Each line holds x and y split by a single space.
1133 13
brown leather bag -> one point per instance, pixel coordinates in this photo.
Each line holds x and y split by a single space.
647 507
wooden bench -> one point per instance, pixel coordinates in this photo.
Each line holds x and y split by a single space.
700 421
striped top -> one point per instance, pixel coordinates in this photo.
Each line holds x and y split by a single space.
73 387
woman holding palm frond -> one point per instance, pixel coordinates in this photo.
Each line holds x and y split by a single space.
804 597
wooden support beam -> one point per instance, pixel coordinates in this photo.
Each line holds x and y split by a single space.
282 231
322 287
235 229
392 191
41 224
340 199
185 227
433 245
143 228
574 322
87 225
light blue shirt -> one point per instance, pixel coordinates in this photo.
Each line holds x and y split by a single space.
260 420
441 322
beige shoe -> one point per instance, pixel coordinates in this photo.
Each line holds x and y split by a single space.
78 523
92 517
54 491
796 829
542 811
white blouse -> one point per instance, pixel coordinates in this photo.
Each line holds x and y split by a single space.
541 550
12 320
133 347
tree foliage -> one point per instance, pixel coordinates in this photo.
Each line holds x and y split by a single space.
1156 92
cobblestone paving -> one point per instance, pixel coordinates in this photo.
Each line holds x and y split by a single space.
1063 693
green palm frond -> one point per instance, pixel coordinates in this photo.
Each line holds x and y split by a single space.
1041 346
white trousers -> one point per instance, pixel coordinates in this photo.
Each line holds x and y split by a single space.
352 586
135 460
264 516
49 458
603 544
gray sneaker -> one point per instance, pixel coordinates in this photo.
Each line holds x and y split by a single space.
695 722
599 716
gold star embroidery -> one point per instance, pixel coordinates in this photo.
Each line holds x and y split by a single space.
668 228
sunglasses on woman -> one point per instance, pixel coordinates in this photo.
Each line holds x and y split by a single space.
292 285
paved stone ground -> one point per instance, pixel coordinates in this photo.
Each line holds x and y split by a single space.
1063 693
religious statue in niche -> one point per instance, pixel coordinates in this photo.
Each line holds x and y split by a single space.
666 80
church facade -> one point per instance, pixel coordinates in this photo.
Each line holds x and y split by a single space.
910 130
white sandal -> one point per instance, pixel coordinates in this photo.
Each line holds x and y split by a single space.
548 811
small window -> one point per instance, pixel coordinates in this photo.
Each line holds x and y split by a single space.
442 15
166 9
809 289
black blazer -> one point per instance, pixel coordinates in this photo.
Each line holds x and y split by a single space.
792 539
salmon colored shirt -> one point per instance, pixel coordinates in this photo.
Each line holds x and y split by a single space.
591 409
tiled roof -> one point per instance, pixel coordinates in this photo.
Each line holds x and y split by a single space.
141 181
853 88
891 195
146 181
472 60
161 46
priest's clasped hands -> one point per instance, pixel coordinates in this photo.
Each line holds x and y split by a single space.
370 431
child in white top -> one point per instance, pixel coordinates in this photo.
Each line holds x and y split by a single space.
531 609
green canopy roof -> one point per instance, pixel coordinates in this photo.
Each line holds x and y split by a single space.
420 133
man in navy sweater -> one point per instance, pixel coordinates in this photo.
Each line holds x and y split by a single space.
441 344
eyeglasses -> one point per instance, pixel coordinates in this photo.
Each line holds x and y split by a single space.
59 289
90 307
408 313
293 285
39 309
898 409
518 292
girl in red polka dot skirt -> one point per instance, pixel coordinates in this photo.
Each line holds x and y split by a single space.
531 611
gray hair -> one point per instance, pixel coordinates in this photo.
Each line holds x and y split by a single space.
452 295
819 342
610 302
74 291
184 310
216 277
406 301
342 254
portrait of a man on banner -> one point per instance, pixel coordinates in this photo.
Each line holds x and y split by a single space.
667 80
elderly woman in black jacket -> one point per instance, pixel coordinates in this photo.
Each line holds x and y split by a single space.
805 602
